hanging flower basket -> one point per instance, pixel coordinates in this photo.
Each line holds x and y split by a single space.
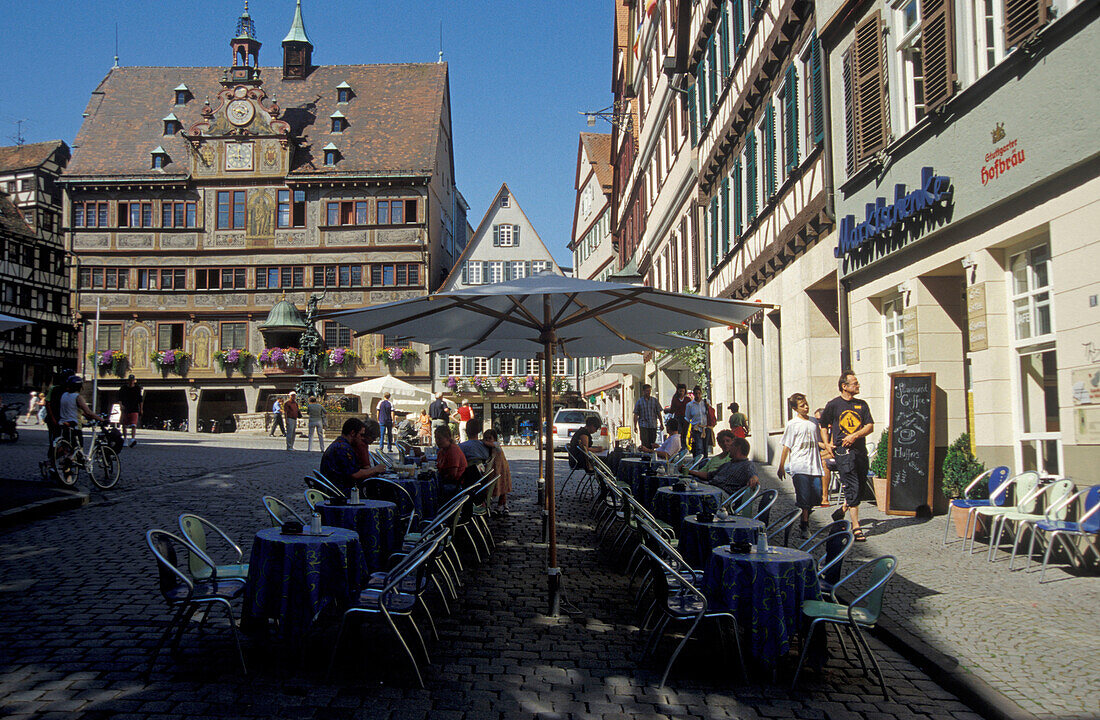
530 384
279 361
175 361
341 358
404 358
235 359
452 383
505 384
111 361
482 384
560 386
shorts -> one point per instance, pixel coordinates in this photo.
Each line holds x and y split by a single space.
807 490
128 419
852 467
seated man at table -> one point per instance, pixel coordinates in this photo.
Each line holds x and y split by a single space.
582 438
341 463
476 452
450 462
736 474
671 445
725 442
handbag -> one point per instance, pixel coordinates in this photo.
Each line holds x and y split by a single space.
712 416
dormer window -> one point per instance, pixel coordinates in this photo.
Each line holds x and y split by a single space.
505 200
339 122
332 155
343 93
171 125
182 94
160 158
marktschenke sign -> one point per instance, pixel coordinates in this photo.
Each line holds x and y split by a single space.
883 219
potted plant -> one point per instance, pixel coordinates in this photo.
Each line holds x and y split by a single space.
234 359
172 360
277 361
111 361
960 467
341 358
879 466
482 384
531 384
404 358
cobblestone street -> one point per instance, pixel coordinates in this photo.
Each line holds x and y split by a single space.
82 612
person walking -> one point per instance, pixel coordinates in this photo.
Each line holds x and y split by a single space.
647 417
845 424
503 470
678 406
277 421
465 415
291 412
424 426
32 407
801 458
385 420
316 412
439 412
739 423
696 416
130 398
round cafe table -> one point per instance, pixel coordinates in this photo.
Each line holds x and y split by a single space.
673 505
376 523
293 578
697 538
424 489
630 468
645 486
764 591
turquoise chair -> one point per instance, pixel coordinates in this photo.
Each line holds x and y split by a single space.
995 479
862 612
202 567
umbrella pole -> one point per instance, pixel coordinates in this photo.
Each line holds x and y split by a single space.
542 477
553 572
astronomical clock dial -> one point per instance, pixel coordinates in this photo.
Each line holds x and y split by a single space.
238 156
240 112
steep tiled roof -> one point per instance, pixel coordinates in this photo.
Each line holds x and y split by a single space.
392 119
11 220
597 146
20 157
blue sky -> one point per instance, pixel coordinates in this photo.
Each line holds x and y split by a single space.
520 71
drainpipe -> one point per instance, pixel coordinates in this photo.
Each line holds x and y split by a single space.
830 210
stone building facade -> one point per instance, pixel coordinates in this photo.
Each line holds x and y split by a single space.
232 188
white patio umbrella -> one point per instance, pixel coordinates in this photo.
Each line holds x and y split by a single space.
405 396
9 322
551 311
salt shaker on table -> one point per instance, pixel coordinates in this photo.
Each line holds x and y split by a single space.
315 524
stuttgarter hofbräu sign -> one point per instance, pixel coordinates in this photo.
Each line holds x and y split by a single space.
882 218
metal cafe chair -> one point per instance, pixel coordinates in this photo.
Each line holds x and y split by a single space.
193 528
280 512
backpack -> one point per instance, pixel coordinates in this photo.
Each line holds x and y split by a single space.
113 438
712 416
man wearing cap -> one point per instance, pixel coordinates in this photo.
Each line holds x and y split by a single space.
129 397
291 412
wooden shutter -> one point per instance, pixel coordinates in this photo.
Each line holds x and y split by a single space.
442 366
467 366
725 217
848 74
712 61
738 196
937 40
872 123
769 150
494 366
515 236
815 100
714 232
750 176
725 32
701 83
496 236
692 117
1024 18
466 272
738 24
790 119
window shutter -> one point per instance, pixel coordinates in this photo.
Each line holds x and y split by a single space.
814 93
494 366
714 232
790 160
466 272
769 150
937 40
496 236
712 61
738 196
692 118
750 176
1024 18
850 114
725 31
725 217
467 366
872 127
515 236
738 24
442 366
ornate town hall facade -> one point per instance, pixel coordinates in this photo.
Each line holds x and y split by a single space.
199 197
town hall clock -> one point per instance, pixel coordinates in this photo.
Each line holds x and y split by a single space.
238 156
240 112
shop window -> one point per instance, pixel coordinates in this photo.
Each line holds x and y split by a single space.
1031 293
894 334
1040 425
234 336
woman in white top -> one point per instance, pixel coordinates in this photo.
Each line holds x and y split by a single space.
801 457
73 406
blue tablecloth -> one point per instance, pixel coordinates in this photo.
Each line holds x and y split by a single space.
673 506
645 486
292 578
764 591
697 539
630 468
424 490
376 523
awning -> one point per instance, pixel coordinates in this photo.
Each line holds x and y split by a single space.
628 364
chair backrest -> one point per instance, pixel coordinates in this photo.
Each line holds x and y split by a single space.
833 548
879 570
316 480
764 502
413 563
1089 519
998 484
734 501
684 585
834 526
783 525
1028 491
163 546
1023 486
314 498
280 512
1056 495
193 529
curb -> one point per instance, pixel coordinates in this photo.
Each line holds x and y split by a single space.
43 508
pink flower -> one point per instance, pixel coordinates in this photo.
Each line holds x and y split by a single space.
452 382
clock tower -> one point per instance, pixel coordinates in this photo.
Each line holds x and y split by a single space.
246 52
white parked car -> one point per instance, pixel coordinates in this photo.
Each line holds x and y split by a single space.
566 422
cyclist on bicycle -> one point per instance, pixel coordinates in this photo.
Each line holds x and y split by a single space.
73 406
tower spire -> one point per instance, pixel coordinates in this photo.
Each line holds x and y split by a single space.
246 51
297 49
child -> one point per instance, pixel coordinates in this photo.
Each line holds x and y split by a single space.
800 442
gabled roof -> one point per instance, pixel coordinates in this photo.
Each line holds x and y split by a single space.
23 157
597 148
476 236
393 120
12 222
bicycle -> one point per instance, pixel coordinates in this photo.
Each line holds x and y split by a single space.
100 462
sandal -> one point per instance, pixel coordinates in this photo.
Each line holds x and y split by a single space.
859 536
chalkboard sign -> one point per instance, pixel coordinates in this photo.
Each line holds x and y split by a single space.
912 444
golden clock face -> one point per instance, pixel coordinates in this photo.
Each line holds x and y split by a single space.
238 156
240 112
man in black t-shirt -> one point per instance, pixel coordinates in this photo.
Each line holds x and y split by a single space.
130 398
582 438
845 423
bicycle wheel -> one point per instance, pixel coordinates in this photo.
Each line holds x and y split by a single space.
63 463
105 467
